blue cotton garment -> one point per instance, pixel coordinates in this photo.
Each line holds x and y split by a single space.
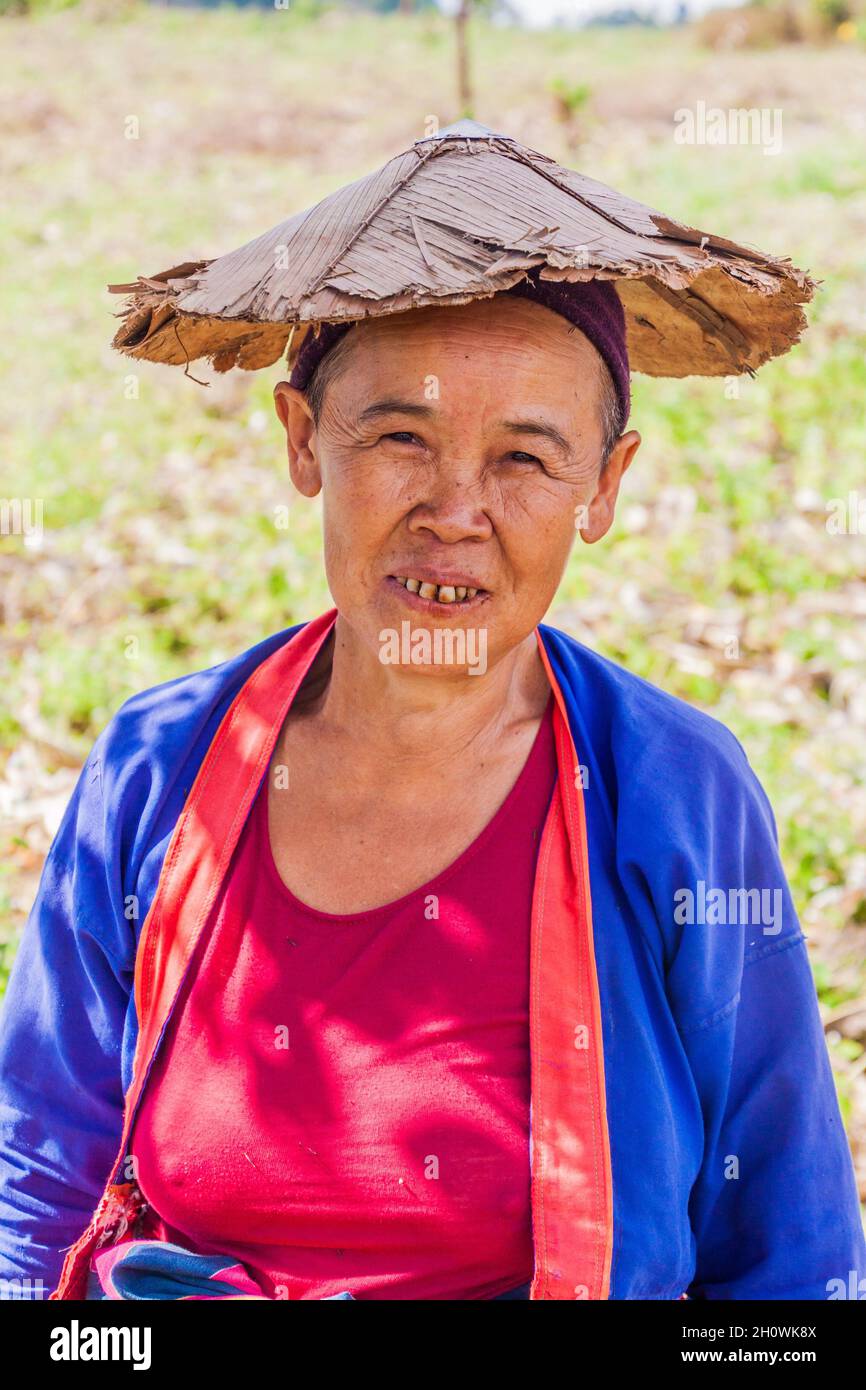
731 1173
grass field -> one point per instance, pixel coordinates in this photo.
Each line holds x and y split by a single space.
720 581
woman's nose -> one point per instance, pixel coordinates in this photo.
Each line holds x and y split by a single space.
453 508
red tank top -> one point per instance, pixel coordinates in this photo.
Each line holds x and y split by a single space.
342 1101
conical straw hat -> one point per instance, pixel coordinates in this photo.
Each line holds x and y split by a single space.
461 216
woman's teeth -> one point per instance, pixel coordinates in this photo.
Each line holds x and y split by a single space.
442 593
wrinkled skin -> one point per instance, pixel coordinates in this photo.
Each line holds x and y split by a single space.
473 473
457 482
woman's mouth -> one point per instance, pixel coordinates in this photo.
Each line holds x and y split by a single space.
423 593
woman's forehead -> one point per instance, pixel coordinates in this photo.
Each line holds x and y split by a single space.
508 335
499 311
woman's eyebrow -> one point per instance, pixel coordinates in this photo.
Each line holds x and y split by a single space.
539 428
392 405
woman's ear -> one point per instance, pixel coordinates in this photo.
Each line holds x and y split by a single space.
601 509
296 418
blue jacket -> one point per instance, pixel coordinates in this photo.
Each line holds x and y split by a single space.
722 1168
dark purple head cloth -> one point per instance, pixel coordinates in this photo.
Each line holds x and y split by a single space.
593 306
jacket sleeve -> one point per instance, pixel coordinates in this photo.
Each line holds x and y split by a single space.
61 1030
774 1209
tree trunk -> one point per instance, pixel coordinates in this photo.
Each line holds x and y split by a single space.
464 90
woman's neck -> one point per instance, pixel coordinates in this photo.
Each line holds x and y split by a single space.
431 715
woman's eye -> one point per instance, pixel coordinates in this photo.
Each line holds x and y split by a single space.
402 436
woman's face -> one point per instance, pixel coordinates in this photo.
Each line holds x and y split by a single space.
457 447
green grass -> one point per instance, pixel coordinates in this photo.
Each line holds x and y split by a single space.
160 510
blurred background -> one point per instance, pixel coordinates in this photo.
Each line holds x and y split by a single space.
143 523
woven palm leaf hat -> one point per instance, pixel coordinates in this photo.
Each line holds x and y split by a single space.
463 215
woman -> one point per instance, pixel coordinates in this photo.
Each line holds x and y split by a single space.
419 951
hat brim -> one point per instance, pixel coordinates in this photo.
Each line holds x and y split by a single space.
456 219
